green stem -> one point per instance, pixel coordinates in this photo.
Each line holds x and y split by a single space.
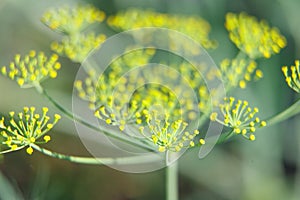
287 113
172 181
80 120
241 55
225 136
103 161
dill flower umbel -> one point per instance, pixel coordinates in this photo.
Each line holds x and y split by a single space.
238 72
98 90
239 116
195 27
31 69
70 20
132 95
292 78
166 134
29 128
255 38
77 44
77 47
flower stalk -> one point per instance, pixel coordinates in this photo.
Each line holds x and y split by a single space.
99 161
172 181
289 112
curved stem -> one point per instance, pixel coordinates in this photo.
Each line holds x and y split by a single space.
287 113
172 181
103 161
83 122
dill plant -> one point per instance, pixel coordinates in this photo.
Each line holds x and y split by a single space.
161 130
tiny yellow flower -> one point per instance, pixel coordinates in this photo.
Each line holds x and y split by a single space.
251 137
108 121
263 124
202 141
213 116
29 150
47 138
161 149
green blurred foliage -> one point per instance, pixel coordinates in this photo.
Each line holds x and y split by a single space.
265 169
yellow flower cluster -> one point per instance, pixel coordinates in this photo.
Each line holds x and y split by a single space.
195 27
255 38
72 20
109 92
125 94
238 116
77 47
238 72
30 70
98 90
28 129
168 135
292 78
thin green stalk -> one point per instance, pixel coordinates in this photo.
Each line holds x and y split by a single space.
287 113
241 55
103 161
225 136
172 181
80 120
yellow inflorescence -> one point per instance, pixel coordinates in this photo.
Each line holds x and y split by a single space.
28 129
77 47
195 27
110 94
166 134
99 90
255 38
72 20
237 72
239 116
122 96
292 78
195 77
31 69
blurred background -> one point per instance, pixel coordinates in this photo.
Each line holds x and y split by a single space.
268 168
